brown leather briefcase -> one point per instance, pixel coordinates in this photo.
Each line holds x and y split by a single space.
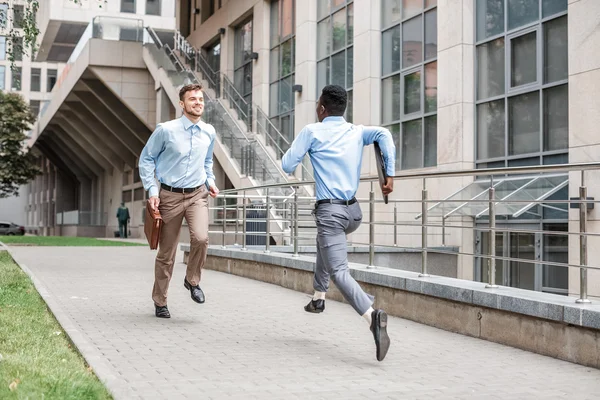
152 226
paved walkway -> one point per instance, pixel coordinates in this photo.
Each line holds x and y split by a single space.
252 340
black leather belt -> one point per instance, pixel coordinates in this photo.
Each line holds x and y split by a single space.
179 190
336 201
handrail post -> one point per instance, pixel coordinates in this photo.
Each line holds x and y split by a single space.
224 222
371 227
395 224
268 229
244 248
237 220
583 248
295 216
424 230
492 237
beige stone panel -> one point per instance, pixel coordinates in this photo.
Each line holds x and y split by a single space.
468 74
585 154
584 36
450 76
468 134
362 57
108 74
363 10
468 21
449 134
450 23
103 53
362 110
134 90
584 106
136 76
306 38
116 87
132 55
137 105
306 11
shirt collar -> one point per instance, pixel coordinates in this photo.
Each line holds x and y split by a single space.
187 124
334 119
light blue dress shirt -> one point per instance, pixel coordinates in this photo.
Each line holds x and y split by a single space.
335 148
180 153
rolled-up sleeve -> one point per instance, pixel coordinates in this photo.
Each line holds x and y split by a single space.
148 157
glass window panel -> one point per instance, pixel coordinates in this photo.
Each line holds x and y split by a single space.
274 23
274 65
17 48
287 18
336 3
555 50
18 16
412 42
36 79
338 69
153 7
395 131
323 38
3 13
391 12
490 18
430 141
556 118
34 107
349 67
430 3
521 12
274 99
286 97
16 79
136 175
2 48
247 84
412 144
551 7
2 77
431 34
524 124
556 249
339 30
411 7
128 6
490 130
490 69
287 62
523 60
350 23
390 102
51 79
412 93
431 87
322 8
349 107
391 50
562 194
138 194
126 196
323 68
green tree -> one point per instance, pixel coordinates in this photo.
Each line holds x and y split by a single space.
17 164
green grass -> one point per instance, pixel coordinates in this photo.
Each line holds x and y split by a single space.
63 241
35 356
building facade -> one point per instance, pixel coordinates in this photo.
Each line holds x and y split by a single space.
461 84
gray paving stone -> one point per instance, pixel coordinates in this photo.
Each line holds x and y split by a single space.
252 340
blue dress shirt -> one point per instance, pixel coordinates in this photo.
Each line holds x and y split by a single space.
335 148
180 153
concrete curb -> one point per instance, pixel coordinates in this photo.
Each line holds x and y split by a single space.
116 385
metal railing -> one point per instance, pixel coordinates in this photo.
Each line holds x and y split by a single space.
386 224
237 102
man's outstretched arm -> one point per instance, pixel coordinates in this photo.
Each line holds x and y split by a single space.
297 151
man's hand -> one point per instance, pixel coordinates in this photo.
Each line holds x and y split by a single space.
213 191
389 186
154 201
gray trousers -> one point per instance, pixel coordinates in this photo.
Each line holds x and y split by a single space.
334 222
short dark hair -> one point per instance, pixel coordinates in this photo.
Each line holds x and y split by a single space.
189 88
334 98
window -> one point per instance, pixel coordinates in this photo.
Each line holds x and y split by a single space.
36 79
522 88
18 16
152 7
16 79
34 107
128 6
3 14
2 76
17 48
138 194
282 67
51 79
335 51
2 48
409 80
126 196
242 75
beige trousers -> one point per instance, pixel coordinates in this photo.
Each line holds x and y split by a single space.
173 208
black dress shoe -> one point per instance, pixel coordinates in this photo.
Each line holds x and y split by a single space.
315 306
195 291
161 311
379 329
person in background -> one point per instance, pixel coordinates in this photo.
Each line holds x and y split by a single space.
123 218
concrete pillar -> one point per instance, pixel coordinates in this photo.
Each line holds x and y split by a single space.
584 119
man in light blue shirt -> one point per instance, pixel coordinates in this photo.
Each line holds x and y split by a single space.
180 155
335 148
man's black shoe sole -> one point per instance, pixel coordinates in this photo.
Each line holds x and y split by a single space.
384 340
